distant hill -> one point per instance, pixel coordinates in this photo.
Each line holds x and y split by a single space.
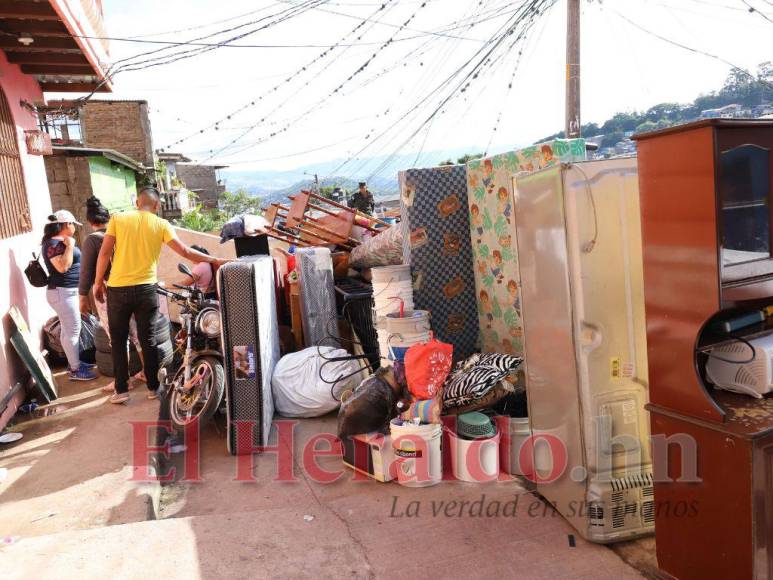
276 185
739 88
380 187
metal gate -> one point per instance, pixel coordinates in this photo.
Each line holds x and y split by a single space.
14 205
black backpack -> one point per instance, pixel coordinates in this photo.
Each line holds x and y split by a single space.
36 273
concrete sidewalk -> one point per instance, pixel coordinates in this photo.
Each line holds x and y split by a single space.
73 468
69 510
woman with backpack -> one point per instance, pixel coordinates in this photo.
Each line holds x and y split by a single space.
98 217
62 258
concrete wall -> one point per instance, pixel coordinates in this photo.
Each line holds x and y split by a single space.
167 265
120 125
202 180
69 181
15 252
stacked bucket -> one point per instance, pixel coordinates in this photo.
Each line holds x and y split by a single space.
398 325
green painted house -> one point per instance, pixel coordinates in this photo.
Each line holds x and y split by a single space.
76 173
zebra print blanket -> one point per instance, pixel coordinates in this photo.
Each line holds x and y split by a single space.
476 376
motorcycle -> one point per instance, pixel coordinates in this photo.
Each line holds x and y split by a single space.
196 389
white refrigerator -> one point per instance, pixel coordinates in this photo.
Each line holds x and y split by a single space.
580 251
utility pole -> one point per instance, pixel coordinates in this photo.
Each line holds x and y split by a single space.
573 69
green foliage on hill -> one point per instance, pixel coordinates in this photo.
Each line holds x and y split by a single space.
462 160
231 204
739 88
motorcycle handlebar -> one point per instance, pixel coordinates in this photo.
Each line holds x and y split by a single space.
169 293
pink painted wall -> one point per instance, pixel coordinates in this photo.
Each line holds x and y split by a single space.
15 252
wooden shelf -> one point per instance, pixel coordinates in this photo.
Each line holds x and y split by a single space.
711 338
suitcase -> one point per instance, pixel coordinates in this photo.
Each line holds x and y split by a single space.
317 293
250 339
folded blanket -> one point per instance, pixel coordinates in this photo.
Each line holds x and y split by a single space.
384 249
475 377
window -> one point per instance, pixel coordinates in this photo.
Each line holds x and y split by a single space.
744 190
14 206
62 124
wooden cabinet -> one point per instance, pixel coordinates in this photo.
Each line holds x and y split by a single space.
706 193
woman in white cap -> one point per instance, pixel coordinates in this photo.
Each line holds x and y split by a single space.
63 259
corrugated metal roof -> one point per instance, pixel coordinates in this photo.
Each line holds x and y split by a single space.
110 154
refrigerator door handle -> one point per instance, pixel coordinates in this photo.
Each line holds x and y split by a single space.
590 336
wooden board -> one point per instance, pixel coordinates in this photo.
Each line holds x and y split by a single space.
29 351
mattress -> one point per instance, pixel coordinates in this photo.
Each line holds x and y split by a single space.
492 233
250 336
317 293
436 244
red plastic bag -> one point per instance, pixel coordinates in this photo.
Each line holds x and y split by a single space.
426 368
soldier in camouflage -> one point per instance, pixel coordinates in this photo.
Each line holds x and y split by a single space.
363 200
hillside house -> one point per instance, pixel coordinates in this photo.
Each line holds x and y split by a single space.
47 45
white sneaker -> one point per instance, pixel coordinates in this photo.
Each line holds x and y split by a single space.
119 398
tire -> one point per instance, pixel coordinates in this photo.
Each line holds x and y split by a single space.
216 385
163 333
105 366
104 362
101 340
89 356
165 354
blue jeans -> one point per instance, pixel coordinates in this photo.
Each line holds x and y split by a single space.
65 303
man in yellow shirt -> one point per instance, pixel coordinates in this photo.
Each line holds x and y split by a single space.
133 243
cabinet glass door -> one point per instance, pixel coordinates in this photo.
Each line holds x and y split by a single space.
745 209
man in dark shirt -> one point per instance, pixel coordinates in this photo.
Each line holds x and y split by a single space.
363 200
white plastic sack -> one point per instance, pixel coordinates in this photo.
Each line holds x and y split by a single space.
297 387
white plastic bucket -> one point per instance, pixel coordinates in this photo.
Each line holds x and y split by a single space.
382 310
510 455
474 460
418 459
385 274
413 322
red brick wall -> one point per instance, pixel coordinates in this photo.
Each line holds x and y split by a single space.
202 180
120 125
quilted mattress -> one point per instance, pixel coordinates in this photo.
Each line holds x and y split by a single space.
317 293
436 244
250 336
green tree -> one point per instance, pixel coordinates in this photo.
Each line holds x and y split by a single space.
647 126
469 157
200 220
326 191
241 202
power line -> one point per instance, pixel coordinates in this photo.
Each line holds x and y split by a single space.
461 23
753 9
324 101
423 32
527 13
200 26
384 7
338 88
689 48
280 17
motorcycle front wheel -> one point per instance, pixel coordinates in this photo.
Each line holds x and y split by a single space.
203 399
